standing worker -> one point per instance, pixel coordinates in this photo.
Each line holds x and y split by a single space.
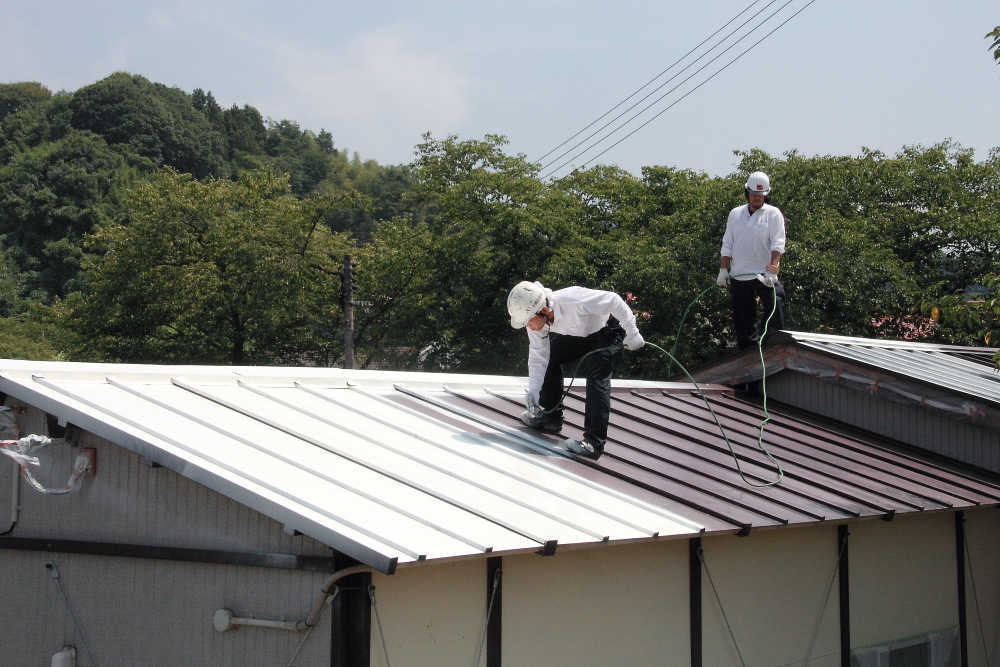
563 326
751 253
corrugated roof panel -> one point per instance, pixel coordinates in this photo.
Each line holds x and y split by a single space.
931 364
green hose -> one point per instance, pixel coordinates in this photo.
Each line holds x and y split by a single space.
763 383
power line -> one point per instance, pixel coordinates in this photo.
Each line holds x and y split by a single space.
676 62
712 76
688 66
657 100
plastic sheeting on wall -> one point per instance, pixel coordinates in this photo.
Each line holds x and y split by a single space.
933 649
22 451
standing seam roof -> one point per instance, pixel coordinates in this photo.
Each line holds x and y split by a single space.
389 473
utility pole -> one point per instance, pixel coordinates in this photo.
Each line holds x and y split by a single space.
347 275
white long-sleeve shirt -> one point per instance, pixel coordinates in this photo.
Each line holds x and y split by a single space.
577 311
749 239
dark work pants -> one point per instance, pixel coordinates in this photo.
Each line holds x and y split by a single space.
600 366
749 326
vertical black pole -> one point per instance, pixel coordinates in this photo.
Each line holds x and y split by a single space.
494 631
694 567
845 597
963 634
348 277
351 623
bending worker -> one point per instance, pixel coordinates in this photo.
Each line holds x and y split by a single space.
562 327
751 253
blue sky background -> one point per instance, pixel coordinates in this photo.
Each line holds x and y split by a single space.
843 75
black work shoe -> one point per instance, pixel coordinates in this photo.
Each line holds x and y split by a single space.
583 448
543 422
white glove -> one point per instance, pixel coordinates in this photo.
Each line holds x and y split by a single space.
768 278
634 341
723 279
534 409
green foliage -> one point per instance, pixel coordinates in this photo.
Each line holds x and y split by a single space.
213 271
53 193
155 122
16 97
995 46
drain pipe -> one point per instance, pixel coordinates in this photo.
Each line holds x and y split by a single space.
15 498
225 620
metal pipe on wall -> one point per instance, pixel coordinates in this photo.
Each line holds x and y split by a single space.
225 619
15 498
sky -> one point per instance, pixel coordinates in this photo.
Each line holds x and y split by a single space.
840 76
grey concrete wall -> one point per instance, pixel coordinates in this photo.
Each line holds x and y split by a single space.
146 612
907 423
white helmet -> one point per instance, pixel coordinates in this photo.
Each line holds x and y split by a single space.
758 183
524 302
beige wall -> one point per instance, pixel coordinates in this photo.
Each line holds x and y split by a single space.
432 615
903 577
982 581
615 605
772 585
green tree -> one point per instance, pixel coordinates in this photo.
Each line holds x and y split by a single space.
213 271
16 97
151 120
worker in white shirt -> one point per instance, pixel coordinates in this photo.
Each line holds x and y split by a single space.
751 253
562 327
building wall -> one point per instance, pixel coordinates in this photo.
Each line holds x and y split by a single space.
903 577
773 586
911 424
432 614
146 612
982 584
615 605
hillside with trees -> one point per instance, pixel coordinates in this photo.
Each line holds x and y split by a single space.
143 223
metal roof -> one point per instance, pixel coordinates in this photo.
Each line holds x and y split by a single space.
398 467
966 370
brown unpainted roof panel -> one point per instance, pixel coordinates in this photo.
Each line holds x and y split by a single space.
667 443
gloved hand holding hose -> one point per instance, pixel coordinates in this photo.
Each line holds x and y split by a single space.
723 279
534 409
